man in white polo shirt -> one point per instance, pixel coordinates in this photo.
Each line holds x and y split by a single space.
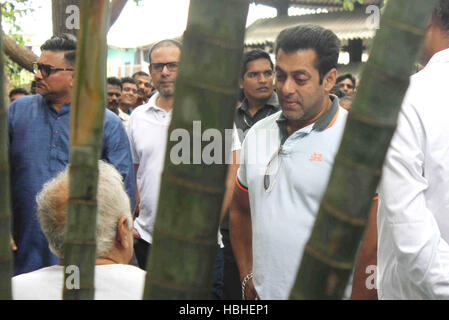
286 161
148 129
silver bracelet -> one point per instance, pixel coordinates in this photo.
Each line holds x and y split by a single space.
245 280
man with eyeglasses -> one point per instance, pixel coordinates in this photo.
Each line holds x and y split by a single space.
39 148
347 84
285 165
260 101
148 130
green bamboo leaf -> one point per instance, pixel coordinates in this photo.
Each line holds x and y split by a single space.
5 205
185 233
86 127
329 254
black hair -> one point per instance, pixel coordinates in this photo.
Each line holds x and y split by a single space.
346 76
15 91
113 81
128 80
323 41
442 13
251 56
337 91
64 42
140 73
165 43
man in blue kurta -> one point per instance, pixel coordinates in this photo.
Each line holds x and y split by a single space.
39 148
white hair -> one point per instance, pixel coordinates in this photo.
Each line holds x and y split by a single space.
112 204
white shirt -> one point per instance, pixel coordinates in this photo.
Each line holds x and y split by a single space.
124 117
148 129
283 218
112 282
413 216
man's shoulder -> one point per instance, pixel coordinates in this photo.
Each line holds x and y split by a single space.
111 122
37 275
25 103
267 122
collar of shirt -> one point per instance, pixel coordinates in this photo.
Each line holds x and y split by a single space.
320 125
65 108
151 105
123 115
440 56
272 102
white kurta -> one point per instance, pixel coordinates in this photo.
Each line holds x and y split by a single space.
112 282
413 217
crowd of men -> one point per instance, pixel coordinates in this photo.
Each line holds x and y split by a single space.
287 131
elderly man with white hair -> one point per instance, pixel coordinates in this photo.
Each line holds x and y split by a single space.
114 279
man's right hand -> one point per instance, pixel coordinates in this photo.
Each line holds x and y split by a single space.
250 291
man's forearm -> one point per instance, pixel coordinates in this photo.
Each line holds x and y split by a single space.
364 283
230 183
241 240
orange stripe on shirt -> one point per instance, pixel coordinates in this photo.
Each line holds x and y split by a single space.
239 185
333 120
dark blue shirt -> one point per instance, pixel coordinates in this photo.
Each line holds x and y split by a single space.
39 149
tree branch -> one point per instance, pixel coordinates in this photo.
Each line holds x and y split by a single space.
116 8
23 56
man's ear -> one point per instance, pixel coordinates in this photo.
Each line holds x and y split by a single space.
122 232
330 79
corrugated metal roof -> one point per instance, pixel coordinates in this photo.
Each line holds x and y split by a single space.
329 4
345 24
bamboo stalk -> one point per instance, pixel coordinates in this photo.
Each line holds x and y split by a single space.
185 233
329 254
86 128
5 200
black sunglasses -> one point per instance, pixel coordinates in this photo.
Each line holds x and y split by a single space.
158 67
46 69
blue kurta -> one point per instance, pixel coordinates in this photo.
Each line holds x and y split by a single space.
39 149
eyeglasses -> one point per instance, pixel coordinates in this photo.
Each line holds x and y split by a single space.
46 69
158 67
271 173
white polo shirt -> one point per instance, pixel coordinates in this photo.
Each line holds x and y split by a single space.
283 216
148 129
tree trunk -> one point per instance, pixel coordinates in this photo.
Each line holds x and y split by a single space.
86 128
329 254
5 208
185 234
65 16
24 57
